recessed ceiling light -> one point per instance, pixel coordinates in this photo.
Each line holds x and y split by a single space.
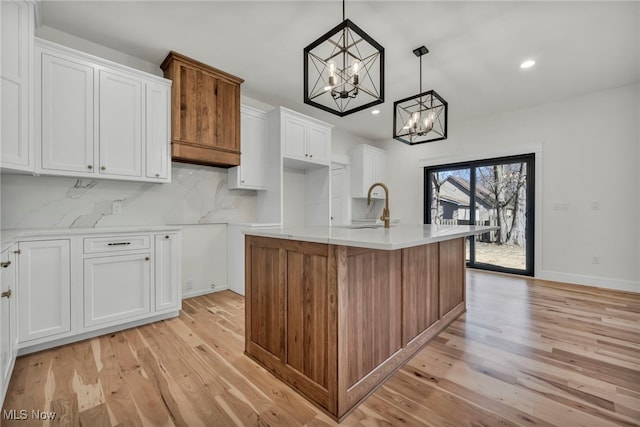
528 63
375 112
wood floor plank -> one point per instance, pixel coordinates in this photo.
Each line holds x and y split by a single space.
526 353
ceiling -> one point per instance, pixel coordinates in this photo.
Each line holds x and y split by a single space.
475 47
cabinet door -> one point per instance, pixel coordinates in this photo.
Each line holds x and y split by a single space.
265 299
67 109
44 278
228 116
319 144
167 269
120 125
295 138
116 288
16 88
158 144
452 274
307 307
368 175
253 164
379 166
7 319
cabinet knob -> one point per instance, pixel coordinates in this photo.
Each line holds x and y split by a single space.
310 155
103 168
6 294
5 264
306 155
157 175
166 237
146 258
242 181
89 167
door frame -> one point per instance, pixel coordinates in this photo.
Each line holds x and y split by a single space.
530 213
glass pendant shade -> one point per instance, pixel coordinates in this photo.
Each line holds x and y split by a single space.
420 118
344 71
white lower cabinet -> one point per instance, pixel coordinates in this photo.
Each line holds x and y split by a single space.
72 287
168 273
44 294
8 348
116 288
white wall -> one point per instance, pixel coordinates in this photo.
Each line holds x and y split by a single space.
204 259
66 39
293 203
590 153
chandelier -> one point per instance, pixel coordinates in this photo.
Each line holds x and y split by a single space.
344 70
420 118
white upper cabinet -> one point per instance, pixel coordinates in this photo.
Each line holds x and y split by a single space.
305 139
99 119
252 172
17 85
368 166
158 109
66 115
120 118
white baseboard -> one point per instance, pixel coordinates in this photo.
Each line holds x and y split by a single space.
600 282
198 292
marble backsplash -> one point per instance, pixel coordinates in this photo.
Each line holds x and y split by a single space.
196 195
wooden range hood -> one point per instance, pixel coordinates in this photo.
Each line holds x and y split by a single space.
205 112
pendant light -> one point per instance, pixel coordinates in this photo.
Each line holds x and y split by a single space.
420 118
344 70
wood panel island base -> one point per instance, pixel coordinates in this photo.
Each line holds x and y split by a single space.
334 321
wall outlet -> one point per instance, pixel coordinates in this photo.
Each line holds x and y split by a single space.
189 284
116 209
595 260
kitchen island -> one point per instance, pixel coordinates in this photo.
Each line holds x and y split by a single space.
334 311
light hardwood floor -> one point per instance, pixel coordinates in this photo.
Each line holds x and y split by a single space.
527 352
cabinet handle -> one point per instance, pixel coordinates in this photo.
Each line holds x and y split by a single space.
89 167
146 258
242 181
103 168
166 237
6 294
5 264
17 252
157 175
119 244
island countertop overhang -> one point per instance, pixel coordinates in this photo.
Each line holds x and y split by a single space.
399 236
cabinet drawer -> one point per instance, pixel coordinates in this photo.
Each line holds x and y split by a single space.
116 243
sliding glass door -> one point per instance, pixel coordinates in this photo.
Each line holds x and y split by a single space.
497 192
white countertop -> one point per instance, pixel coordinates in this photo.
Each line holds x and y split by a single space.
397 237
9 237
